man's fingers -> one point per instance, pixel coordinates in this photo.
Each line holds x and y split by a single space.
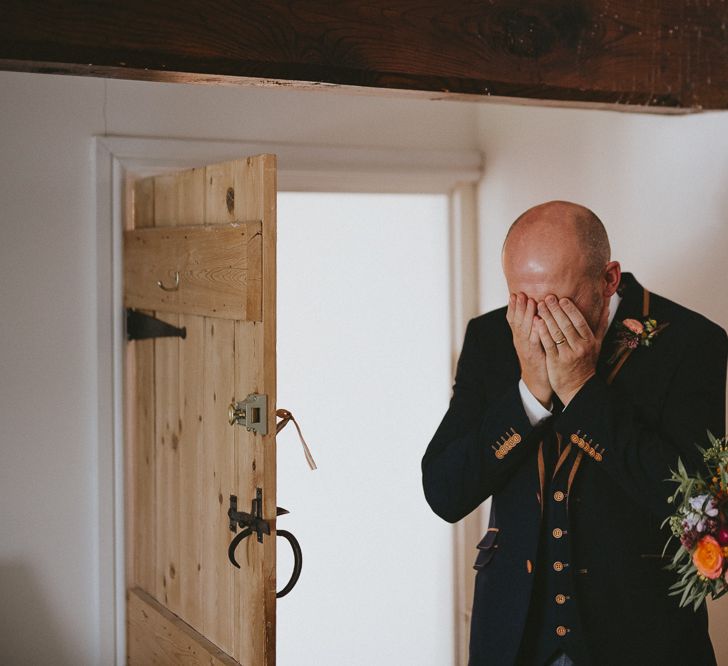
577 318
534 338
520 309
571 326
510 310
527 322
551 325
547 341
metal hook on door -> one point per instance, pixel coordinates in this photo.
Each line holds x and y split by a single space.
175 287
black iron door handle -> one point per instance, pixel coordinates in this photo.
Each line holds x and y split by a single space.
297 556
234 544
297 562
254 522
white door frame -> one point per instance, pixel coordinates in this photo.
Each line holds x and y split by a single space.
301 168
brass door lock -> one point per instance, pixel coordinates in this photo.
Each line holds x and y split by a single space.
252 413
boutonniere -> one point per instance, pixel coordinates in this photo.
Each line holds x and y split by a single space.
633 333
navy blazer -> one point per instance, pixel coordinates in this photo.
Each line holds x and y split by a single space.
658 407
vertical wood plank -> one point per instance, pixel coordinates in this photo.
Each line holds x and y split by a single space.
190 202
250 635
222 200
167 420
139 452
264 194
143 202
220 580
218 474
191 445
179 198
140 456
255 343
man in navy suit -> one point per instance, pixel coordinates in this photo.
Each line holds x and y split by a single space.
574 437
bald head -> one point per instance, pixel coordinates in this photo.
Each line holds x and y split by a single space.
555 233
561 248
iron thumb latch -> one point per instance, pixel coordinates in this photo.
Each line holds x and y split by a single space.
252 413
254 523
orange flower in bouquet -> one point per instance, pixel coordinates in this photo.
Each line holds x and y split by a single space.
708 557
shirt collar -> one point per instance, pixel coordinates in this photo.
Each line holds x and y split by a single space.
614 302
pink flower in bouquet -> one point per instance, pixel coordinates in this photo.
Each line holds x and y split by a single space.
634 326
723 536
708 557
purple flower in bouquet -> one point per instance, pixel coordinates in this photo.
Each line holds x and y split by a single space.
705 503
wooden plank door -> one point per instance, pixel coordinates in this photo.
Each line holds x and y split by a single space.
215 228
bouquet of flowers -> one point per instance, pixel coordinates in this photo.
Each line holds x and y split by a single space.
700 522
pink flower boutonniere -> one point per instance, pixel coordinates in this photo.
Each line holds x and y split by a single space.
633 333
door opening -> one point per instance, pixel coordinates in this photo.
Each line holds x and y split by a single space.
364 363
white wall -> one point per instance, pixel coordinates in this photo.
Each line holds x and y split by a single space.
48 358
656 179
364 364
48 365
659 184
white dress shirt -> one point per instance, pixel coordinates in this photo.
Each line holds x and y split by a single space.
535 411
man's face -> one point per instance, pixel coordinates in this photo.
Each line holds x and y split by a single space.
569 281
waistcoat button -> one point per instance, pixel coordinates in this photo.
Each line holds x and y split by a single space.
561 630
559 496
558 533
558 566
560 599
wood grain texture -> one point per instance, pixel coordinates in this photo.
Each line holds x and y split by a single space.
660 54
218 578
168 193
255 365
139 420
157 636
182 389
221 581
192 452
219 270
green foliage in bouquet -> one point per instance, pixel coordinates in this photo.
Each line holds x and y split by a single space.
700 522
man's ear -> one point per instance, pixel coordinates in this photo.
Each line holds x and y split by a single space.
612 277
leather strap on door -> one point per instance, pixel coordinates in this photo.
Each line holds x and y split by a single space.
285 417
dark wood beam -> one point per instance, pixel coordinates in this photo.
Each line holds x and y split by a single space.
656 54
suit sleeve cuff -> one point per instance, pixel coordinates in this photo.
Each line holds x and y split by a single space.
584 417
507 426
535 411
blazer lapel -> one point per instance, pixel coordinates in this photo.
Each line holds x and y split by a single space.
630 307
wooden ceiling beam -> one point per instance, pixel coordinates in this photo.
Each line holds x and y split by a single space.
649 55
